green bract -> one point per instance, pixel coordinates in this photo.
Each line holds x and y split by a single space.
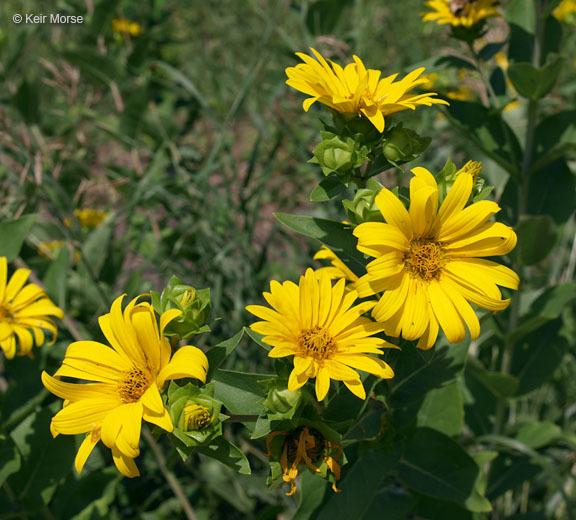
194 304
403 145
280 403
363 208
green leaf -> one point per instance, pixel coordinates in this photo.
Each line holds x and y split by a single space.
536 238
537 356
328 189
56 277
508 471
548 306
94 250
538 434
418 372
227 453
443 410
435 465
335 235
239 391
534 83
13 233
27 101
359 486
218 354
134 110
523 14
554 137
313 491
488 131
499 385
10 460
257 338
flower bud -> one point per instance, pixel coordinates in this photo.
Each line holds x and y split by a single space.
339 155
403 145
194 304
363 208
196 417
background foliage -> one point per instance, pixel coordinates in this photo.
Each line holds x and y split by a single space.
188 139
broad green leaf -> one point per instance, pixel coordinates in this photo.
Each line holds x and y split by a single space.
487 130
548 306
417 372
10 460
443 410
536 238
498 384
508 471
239 391
537 356
434 465
323 15
538 434
313 491
56 277
257 338
359 486
554 137
490 49
396 504
218 354
523 14
13 233
534 83
227 453
335 235
327 189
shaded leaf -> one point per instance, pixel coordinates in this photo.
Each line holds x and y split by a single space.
13 233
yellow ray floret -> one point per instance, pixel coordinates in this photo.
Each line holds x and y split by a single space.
338 269
328 337
126 382
429 260
465 13
25 312
355 89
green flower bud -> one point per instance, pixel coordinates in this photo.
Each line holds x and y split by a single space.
280 403
194 304
363 208
339 155
195 414
402 145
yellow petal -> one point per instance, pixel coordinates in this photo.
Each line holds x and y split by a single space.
163 420
370 364
125 465
151 399
16 283
356 387
187 361
394 212
322 383
74 392
83 415
84 451
445 312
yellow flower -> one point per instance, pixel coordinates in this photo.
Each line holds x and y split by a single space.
305 446
125 26
464 13
428 261
24 313
127 380
565 10
316 323
463 93
428 80
90 218
338 269
48 249
355 89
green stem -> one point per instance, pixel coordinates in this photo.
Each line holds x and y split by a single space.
170 477
242 418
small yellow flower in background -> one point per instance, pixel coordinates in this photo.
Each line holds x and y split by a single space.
338 269
24 313
90 218
428 80
566 11
428 260
355 89
463 93
49 249
305 446
464 13
127 380
329 339
122 25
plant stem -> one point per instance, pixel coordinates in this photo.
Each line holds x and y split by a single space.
170 477
242 418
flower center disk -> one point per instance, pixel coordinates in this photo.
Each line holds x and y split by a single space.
133 385
425 259
317 343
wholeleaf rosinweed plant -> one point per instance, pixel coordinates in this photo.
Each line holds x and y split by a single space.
368 351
